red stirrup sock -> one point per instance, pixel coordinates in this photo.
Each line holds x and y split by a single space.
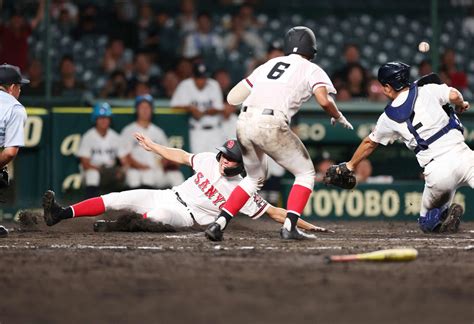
298 198
236 201
90 207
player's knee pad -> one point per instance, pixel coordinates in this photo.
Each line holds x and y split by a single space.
432 220
306 179
251 185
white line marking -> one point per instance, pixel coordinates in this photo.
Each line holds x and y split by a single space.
215 247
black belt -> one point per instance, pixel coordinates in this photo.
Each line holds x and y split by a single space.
264 111
206 127
178 198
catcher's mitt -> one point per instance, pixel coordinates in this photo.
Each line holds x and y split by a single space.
340 176
4 178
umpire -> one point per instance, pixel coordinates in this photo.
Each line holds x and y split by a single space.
12 121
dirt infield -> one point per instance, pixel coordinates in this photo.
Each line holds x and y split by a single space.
70 274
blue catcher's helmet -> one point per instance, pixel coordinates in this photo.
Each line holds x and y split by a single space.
396 74
101 109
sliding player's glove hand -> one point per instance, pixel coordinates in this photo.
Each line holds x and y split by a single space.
340 176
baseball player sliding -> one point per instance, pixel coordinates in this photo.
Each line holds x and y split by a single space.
420 115
197 200
271 95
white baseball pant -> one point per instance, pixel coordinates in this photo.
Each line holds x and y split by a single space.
159 205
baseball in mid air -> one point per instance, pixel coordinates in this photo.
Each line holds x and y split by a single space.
423 47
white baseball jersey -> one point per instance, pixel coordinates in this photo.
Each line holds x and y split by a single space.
102 151
130 144
12 121
432 117
210 96
284 83
207 190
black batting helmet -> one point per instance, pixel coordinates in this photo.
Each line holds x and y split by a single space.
300 40
396 74
231 150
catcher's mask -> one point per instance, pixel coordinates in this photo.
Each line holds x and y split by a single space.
396 74
231 151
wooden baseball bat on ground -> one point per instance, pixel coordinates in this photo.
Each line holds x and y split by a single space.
402 254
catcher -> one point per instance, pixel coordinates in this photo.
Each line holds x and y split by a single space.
421 116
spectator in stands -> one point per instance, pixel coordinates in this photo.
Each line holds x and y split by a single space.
204 41
65 22
322 166
356 81
375 91
186 19
363 171
247 16
62 8
98 153
124 25
88 24
448 65
35 75
116 86
14 35
169 83
343 94
424 68
184 69
148 37
144 71
116 57
351 57
146 169
68 84
275 49
245 41
201 96
141 89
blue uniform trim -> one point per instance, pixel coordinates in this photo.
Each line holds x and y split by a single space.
405 113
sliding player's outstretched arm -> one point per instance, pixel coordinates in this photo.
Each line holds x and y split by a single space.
169 153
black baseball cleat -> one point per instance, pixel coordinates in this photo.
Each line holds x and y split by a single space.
214 232
453 219
295 234
3 231
51 209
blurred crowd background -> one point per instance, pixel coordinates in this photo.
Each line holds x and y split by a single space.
125 48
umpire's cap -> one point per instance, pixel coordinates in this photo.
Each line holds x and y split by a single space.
231 150
300 40
10 74
396 74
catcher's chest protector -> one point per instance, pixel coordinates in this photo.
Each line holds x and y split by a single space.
405 114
